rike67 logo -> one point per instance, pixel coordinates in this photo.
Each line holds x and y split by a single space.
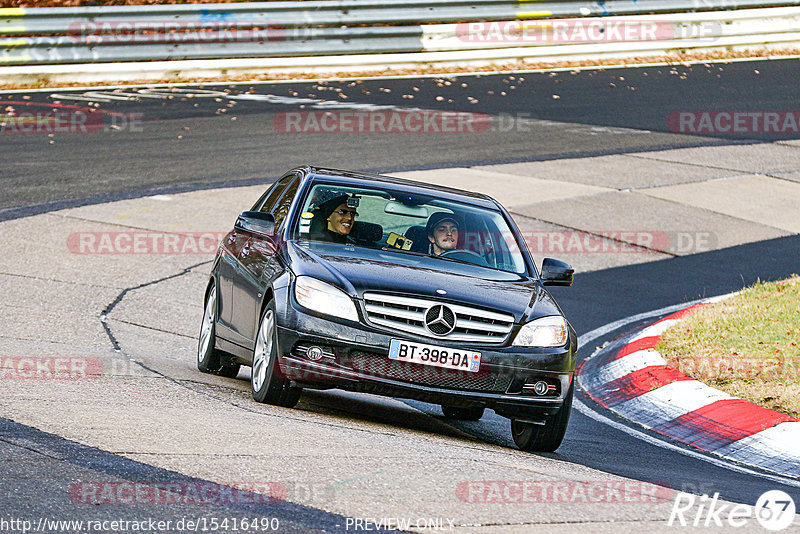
774 510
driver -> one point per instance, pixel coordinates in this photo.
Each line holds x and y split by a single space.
442 232
338 218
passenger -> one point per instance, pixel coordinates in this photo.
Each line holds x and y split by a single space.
442 232
339 219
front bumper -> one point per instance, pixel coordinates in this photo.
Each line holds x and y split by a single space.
355 358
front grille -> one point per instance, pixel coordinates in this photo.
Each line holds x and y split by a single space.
373 364
409 314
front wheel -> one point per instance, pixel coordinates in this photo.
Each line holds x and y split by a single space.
266 383
546 437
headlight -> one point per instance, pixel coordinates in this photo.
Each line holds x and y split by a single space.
548 331
324 298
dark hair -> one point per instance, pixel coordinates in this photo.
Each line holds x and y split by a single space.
329 206
440 216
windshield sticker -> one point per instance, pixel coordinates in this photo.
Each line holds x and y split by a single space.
398 241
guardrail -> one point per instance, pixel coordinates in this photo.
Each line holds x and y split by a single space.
41 36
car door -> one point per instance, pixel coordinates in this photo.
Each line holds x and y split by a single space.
232 246
257 266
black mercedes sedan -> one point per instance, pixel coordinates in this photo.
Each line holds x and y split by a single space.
362 282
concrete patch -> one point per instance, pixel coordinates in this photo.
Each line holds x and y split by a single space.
106 259
172 306
54 312
584 251
793 176
210 210
660 225
617 171
760 199
508 189
761 158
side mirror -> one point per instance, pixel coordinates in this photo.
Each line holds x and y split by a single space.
256 222
556 273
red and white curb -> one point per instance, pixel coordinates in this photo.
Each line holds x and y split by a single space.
635 382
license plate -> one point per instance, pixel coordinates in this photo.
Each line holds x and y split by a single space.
445 357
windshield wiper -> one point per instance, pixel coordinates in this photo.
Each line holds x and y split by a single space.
415 253
412 252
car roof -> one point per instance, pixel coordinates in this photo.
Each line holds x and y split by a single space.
365 179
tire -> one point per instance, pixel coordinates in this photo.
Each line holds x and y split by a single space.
464 414
546 437
209 359
266 384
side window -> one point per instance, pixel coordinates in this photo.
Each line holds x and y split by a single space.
281 208
268 199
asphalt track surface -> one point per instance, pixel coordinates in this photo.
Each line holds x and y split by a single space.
590 118
184 143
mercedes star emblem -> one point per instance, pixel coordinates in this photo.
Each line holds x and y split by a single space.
440 320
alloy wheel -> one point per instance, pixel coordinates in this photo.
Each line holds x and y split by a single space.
262 358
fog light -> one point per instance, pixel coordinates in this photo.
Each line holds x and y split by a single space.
540 387
314 354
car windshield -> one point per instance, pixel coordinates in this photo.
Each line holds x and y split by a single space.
395 220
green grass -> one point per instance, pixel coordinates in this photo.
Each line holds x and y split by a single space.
746 346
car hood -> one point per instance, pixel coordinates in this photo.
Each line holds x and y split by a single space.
359 269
